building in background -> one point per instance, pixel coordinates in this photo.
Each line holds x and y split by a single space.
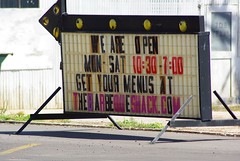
30 56
30 73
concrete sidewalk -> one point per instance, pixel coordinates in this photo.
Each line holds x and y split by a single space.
218 130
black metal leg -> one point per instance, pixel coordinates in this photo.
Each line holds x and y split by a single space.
114 123
39 110
24 126
225 105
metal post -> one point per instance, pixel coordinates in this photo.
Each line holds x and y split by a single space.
39 110
225 105
173 118
114 123
63 6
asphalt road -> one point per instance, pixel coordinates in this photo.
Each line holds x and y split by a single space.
62 143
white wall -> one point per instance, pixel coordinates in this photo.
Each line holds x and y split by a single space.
132 7
32 73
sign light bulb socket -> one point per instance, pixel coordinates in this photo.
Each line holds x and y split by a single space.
182 26
112 24
56 32
56 10
45 21
79 23
147 25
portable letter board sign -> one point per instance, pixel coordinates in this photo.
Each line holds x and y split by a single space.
136 65
155 66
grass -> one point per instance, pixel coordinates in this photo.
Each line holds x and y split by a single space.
126 123
221 108
20 116
131 123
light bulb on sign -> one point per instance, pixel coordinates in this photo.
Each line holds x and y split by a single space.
147 25
112 24
56 32
56 10
183 26
79 23
45 21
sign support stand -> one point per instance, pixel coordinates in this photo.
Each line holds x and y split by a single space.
173 119
198 123
225 105
39 110
37 116
114 122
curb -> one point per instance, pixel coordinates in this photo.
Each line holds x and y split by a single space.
206 131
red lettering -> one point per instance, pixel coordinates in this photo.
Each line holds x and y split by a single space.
137 64
177 65
151 65
165 64
102 102
75 101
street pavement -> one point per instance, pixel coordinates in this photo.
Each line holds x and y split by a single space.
76 143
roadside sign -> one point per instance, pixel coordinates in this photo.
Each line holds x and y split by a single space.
126 72
133 65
